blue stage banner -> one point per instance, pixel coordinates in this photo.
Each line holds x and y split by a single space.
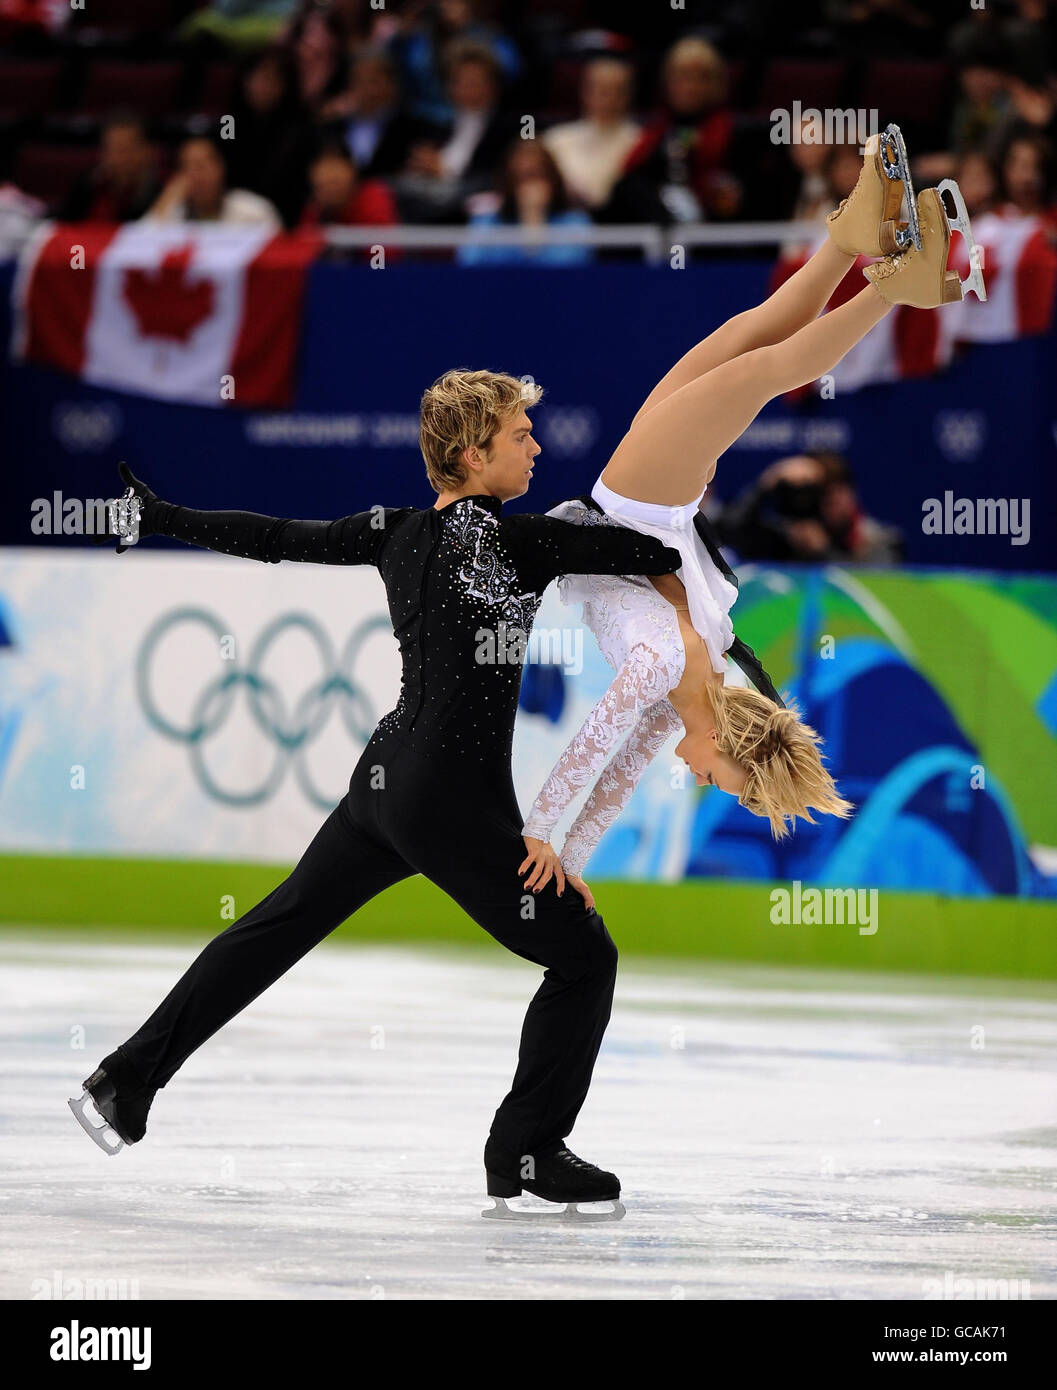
945 458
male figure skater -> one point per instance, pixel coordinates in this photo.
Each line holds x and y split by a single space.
432 792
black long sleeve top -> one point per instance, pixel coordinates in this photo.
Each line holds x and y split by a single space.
463 584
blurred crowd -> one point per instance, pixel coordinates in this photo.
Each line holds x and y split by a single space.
292 113
806 508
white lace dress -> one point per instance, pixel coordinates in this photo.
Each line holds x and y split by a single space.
638 633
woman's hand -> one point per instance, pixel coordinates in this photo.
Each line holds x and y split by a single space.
581 887
545 865
174 193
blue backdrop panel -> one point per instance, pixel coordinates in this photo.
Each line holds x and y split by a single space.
597 339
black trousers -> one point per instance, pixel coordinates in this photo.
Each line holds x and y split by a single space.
459 825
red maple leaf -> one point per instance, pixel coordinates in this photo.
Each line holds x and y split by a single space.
166 304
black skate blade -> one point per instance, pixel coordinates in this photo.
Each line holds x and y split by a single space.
572 1212
97 1133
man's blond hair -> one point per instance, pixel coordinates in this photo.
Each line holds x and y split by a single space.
464 409
785 777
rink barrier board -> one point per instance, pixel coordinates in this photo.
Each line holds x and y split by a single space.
708 919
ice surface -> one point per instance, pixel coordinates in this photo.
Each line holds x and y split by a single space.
778 1133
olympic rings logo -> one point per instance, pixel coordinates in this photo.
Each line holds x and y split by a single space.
291 730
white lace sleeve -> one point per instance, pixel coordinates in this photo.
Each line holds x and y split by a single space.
641 681
613 789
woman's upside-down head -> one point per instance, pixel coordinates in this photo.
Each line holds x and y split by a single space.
764 755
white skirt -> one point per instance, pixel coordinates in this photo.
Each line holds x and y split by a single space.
709 593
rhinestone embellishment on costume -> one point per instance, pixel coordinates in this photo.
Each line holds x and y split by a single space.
486 574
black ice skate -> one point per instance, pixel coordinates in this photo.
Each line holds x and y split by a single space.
120 1100
556 1176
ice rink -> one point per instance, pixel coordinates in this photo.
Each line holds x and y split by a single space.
778 1134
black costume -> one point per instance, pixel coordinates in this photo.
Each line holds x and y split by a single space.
432 792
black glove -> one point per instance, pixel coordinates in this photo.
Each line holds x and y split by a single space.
146 497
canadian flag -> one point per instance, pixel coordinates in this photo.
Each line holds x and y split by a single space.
1019 258
204 313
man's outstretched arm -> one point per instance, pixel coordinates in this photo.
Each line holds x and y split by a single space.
547 547
350 540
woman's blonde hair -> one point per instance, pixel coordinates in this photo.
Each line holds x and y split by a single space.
780 754
464 409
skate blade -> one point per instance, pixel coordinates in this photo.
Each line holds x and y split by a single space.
98 1132
572 1212
896 164
958 221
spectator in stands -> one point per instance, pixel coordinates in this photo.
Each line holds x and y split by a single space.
532 195
340 197
984 102
590 152
896 28
808 193
777 517
460 159
1030 36
853 535
420 51
972 32
1015 221
199 192
1034 108
679 169
806 508
1026 177
379 133
317 42
976 177
124 183
274 139
813 159
843 170
359 22
19 18
842 165
20 216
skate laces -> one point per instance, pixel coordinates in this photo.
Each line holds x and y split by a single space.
891 263
573 1161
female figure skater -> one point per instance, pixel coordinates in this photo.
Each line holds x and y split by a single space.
668 637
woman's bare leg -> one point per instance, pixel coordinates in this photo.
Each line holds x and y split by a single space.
671 453
794 304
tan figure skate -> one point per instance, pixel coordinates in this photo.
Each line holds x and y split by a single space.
866 223
920 277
